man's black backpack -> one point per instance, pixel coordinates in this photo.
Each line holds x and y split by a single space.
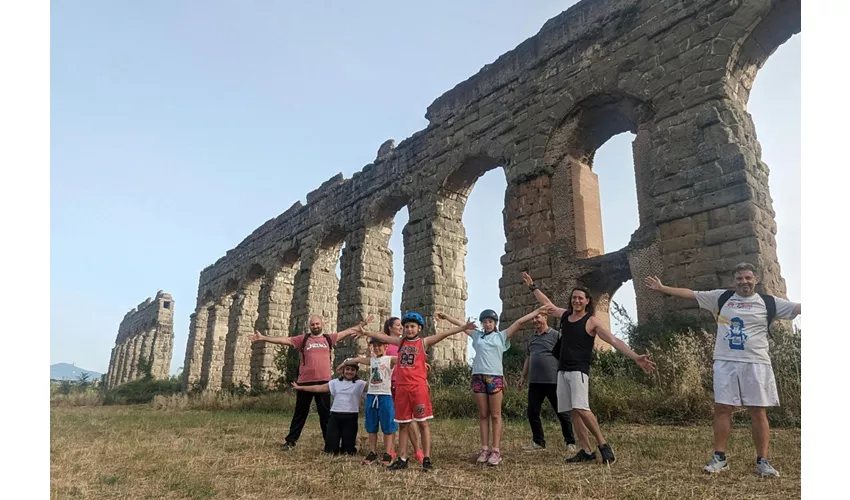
769 304
304 345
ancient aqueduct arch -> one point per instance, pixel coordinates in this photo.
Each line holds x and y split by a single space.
677 74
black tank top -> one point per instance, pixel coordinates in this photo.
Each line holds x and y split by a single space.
576 347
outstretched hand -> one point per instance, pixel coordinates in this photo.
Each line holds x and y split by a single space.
441 315
545 309
526 278
470 324
256 336
653 283
645 364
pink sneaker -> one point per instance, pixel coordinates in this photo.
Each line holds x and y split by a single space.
495 458
419 456
483 456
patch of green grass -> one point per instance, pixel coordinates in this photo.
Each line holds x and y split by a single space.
192 489
112 479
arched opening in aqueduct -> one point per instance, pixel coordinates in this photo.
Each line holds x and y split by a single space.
474 195
613 164
577 200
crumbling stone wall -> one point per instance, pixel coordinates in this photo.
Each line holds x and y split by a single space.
677 74
146 333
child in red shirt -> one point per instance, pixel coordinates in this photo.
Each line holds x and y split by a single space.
413 399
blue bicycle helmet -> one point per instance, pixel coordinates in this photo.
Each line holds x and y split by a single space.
413 317
488 314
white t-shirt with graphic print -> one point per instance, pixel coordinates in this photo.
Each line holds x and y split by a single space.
380 375
742 325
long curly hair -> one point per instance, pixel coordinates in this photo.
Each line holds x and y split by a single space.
590 304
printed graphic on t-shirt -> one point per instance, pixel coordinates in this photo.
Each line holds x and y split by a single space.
376 375
312 344
736 335
407 355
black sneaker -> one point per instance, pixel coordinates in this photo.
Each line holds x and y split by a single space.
371 458
387 460
287 446
399 464
607 454
426 464
581 456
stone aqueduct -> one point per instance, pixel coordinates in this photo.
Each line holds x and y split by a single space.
676 73
146 335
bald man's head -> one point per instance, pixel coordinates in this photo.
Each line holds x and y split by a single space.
316 325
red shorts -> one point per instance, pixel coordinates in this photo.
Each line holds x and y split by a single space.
412 402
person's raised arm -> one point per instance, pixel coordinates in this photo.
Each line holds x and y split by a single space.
387 339
544 309
454 321
540 296
642 360
433 339
259 337
353 362
653 283
312 388
354 329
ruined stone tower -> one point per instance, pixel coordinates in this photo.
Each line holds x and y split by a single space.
677 74
146 333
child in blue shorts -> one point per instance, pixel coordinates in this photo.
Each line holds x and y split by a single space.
379 401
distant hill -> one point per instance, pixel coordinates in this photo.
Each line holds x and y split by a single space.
67 371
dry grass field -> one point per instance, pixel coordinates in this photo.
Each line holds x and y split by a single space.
138 452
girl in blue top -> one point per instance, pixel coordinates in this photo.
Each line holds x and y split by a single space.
487 375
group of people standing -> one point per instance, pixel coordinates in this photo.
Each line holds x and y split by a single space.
557 368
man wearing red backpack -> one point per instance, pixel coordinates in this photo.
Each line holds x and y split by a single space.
314 368
743 375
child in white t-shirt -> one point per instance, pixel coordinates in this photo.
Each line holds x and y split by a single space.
347 392
379 400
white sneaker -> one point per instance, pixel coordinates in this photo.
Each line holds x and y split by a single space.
716 465
483 456
532 447
764 469
495 458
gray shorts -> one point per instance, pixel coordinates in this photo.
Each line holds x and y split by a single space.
572 391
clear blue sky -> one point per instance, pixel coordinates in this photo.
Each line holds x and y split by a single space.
177 129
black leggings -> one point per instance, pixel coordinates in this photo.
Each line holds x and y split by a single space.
342 427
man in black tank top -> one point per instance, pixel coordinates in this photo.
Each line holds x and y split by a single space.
574 351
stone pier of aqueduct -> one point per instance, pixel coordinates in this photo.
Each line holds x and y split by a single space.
675 73
146 333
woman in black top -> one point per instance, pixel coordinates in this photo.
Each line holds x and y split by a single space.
579 327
